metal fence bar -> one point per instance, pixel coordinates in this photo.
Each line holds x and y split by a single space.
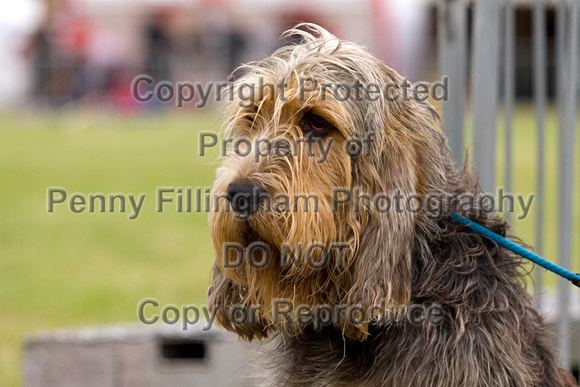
560 55
563 324
566 152
540 107
508 94
452 43
484 91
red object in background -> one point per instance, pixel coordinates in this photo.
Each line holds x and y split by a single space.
73 36
120 93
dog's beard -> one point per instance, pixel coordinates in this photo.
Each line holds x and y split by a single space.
319 278
291 232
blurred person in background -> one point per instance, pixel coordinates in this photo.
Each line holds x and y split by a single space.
158 45
39 52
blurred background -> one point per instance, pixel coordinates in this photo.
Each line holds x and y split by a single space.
68 119
87 51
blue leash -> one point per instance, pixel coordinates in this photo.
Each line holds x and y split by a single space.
574 278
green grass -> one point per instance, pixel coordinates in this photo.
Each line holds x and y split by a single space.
63 269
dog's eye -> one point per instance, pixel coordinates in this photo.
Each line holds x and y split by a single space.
250 114
315 125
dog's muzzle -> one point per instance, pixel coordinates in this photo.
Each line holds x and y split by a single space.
245 197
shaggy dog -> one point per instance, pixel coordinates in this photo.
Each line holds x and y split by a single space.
333 236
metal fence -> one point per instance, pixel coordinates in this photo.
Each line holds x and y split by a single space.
490 74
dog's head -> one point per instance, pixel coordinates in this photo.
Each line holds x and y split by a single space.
298 211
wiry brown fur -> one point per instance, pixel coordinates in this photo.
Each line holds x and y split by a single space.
491 334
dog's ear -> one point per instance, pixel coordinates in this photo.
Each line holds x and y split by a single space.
380 267
224 299
381 278
397 169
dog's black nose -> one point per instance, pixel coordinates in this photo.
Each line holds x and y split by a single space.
245 197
